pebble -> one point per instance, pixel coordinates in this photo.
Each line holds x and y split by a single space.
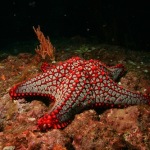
9 148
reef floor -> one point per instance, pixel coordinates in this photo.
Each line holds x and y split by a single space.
115 129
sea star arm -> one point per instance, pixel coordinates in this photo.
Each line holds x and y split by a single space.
44 84
73 95
109 93
117 71
46 66
114 72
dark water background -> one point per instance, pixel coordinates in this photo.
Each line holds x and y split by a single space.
120 22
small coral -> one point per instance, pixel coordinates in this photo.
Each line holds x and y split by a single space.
45 48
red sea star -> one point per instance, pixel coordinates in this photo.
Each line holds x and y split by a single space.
75 85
